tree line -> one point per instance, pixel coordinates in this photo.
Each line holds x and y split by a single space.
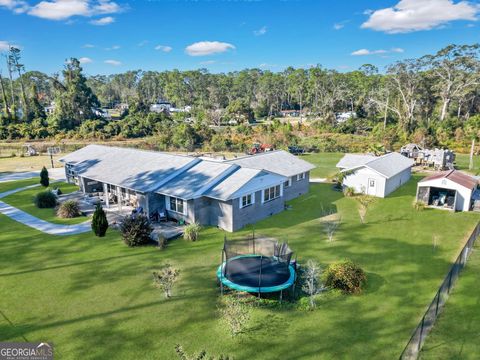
433 99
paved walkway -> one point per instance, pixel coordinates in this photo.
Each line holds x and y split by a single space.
318 180
36 223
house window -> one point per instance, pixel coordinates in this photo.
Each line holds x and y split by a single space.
300 176
271 193
287 183
177 205
246 201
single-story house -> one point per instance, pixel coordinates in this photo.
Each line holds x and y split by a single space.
452 190
375 175
229 194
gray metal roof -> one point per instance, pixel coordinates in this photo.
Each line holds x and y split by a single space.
387 165
244 181
354 160
183 176
197 179
280 162
139 170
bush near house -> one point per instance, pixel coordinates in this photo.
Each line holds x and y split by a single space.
44 180
136 230
191 232
68 209
45 199
345 276
99 221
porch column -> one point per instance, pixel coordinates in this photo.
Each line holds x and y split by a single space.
147 205
119 197
105 194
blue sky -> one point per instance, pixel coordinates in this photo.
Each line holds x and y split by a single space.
226 35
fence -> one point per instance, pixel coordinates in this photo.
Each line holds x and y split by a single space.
415 343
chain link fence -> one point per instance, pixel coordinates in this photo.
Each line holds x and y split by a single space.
412 350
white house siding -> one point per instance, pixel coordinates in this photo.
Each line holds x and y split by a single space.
464 195
359 181
398 180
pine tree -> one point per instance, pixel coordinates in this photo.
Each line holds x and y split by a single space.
99 221
44 180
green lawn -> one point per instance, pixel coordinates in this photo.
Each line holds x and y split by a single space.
462 161
23 200
12 185
324 162
94 296
457 332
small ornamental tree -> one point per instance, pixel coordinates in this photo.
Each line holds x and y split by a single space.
165 279
136 230
235 315
312 283
99 221
44 180
45 199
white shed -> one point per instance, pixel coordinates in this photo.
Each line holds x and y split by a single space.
451 190
376 176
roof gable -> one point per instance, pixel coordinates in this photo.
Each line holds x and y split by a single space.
387 165
455 176
280 162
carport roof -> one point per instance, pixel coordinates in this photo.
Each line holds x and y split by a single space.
458 177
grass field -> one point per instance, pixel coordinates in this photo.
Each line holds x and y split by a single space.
94 296
324 162
23 200
27 163
457 332
463 160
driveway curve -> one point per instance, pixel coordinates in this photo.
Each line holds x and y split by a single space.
39 224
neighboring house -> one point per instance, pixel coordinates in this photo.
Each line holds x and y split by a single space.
439 159
344 116
376 176
289 113
49 110
452 190
161 106
228 194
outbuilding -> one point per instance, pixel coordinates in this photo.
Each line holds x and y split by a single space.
375 175
450 190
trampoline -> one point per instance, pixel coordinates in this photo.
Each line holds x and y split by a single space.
256 266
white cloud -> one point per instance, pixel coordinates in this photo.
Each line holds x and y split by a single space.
163 48
416 15
5 45
107 20
208 62
143 43
113 62
114 47
65 9
338 26
203 48
85 60
261 31
88 46
364 52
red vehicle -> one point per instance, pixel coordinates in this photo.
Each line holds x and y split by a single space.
260 148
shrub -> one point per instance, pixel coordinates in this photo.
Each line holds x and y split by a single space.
45 199
349 191
191 232
44 180
345 276
68 209
99 221
162 242
59 191
419 205
165 279
136 230
202 355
